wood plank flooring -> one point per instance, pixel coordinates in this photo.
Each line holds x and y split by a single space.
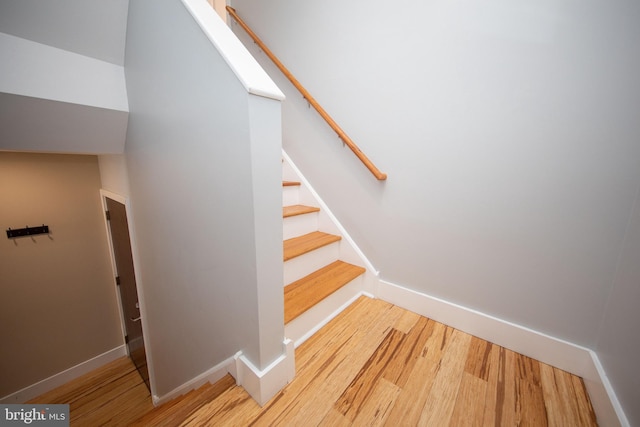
113 395
375 364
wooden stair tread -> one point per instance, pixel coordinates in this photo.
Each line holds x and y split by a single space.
290 183
293 210
303 294
306 243
178 409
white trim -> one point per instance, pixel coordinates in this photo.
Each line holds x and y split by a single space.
263 384
311 321
212 375
113 196
329 318
252 76
114 270
542 347
65 376
603 397
561 354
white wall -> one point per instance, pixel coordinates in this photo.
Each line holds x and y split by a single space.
57 100
618 345
113 174
508 131
41 125
197 164
38 70
91 28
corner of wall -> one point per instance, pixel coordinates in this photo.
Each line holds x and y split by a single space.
210 376
65 376
562 354
603 397
262 385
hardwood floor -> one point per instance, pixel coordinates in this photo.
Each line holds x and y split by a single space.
113 395
375 364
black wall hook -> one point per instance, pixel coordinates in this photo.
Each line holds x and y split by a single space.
27 231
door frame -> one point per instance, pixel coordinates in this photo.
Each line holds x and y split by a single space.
104 194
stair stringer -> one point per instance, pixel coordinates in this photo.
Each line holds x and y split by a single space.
309 322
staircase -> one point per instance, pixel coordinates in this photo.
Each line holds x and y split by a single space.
323 273
322 276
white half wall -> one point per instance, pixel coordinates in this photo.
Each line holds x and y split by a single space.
203 162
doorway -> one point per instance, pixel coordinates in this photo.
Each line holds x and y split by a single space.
126 281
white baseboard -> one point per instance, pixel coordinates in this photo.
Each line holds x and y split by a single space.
603 398
311 321
562 354
262 385
210 376
65 376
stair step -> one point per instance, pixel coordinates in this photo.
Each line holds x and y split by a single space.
177 410
303 294
290 184
298 225
293 210
299 267
302 244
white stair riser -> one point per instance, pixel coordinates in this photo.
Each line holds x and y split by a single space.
303 265
300 328
288 174
290 195
299 225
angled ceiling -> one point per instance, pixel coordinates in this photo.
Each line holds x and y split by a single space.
62 85
94 28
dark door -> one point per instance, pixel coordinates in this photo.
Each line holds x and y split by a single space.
117 219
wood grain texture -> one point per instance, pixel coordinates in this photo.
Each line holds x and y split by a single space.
349 374
114 394
438 408
469 407
293 210
411 401
409 350
303 294
306 243
377 407
491 397
182 407
358 392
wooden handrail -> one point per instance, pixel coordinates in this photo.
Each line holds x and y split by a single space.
343 136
